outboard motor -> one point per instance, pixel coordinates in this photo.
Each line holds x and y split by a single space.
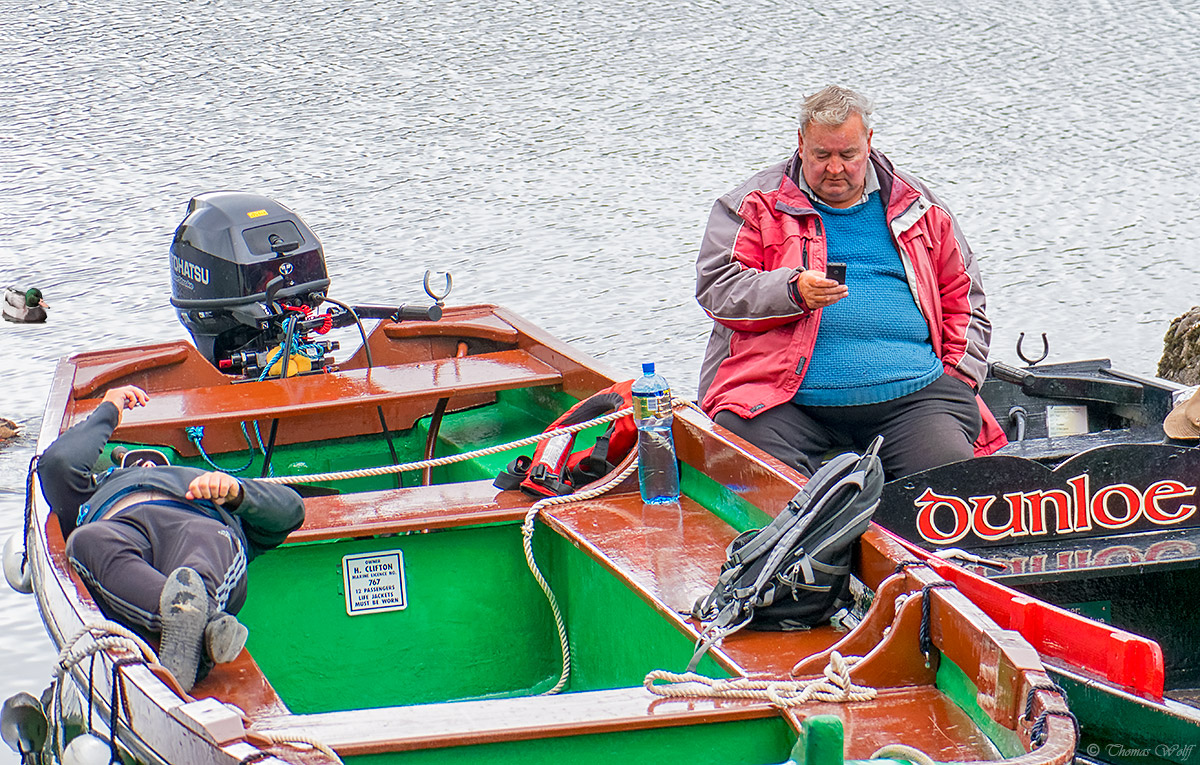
234 255
247 279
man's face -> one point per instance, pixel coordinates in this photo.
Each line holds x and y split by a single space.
834 160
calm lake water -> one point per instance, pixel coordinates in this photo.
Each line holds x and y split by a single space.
561 159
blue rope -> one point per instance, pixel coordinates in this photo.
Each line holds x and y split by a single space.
196 432
270 363
299 346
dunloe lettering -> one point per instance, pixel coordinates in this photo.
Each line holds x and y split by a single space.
189 270
944 518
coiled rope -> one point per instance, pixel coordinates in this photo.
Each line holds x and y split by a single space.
275 741
835 686
902 752
195 434
109 636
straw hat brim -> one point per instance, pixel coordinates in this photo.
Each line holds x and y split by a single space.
1183 422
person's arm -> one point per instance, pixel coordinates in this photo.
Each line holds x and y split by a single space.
966 329
733 286
737 284
269 512
65 469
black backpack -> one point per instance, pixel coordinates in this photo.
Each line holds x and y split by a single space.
795 573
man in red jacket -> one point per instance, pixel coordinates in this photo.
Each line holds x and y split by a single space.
799 363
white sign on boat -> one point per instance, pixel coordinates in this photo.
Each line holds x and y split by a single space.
374 582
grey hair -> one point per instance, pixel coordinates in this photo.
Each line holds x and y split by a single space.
832 105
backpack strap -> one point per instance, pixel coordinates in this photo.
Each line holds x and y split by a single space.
729 620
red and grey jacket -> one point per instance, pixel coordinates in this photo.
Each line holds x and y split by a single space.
766 230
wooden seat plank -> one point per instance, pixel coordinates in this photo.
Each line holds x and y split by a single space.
414 509
322 394
868 724
465 723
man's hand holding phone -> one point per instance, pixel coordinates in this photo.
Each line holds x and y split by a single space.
819 289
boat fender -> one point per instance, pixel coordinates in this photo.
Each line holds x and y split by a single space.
16 566
23 724
87 749
554 470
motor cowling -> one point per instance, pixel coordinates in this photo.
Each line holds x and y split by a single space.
232 257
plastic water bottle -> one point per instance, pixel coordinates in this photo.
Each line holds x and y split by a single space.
658 472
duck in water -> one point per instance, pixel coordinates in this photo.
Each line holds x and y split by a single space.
24 307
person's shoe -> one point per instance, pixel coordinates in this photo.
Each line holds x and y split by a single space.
224 637
183 606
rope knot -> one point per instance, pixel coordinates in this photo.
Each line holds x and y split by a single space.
838 671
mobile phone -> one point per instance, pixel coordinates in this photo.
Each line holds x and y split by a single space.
836 271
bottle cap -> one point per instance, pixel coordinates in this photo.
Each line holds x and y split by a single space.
648 368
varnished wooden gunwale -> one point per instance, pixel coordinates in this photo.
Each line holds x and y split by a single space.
600 527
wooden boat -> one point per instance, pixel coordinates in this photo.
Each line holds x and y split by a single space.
457 675
1087 519
453 653
1054 411
1110 533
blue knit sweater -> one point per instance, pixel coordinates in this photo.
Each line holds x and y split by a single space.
873 345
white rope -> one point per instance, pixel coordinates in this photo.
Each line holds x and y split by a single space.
292 739
527 542
448 460
676 403
835 686
109 636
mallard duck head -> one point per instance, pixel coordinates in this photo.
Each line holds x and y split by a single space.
33 297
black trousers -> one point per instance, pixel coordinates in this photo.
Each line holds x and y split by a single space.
125 560
933 426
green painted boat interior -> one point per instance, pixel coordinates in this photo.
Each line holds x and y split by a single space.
475 623
515 414
955 683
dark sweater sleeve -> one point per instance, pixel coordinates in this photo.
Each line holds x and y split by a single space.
65 469
268 512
